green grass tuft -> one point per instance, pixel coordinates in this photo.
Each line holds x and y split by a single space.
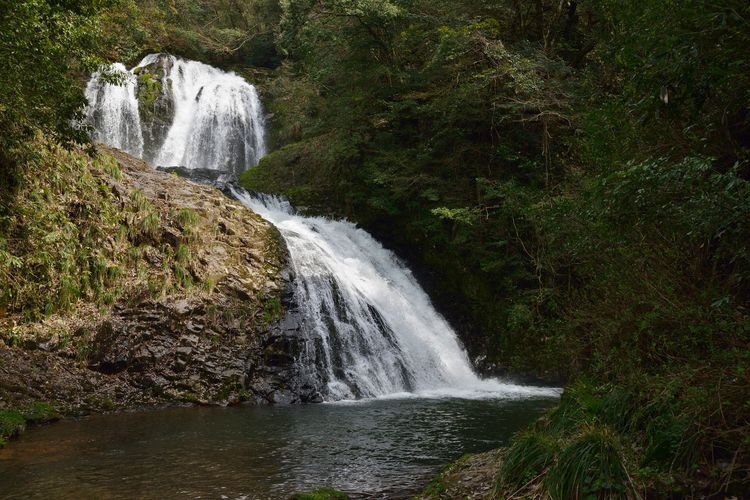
140 201
272 310
40 412
589 467
149 225
186 218
12 423
182 275
182 254
528 457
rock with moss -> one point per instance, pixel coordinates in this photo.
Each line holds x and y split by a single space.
469 477
12 423
155 102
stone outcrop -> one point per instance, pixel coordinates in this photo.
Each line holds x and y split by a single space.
230 334
156 105
471 477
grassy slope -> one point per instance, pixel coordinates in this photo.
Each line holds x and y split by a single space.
67 237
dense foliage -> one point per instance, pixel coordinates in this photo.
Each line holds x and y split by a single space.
43 45
218 31
572 180
569 179
477 138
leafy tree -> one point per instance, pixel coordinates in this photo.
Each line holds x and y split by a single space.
222 32
669 78
44 46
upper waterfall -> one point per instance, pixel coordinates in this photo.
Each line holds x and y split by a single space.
113 111
174 112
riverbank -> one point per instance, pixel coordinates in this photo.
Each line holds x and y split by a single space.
624 441
131 288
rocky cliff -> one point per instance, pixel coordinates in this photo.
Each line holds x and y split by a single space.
198 314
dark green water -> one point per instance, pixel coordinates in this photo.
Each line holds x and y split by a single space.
385 448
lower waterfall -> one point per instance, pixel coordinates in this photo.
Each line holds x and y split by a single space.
371 331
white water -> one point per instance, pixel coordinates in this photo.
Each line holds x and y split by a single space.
113 112
217 123
217 119
372 330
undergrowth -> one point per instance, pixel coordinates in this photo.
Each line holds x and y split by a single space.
67 236
646 438
58 229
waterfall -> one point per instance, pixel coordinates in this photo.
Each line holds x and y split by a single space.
217 122
175 112
369 330
113 110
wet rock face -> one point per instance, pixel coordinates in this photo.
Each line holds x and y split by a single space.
179 350
201 175
156 105
203 351
276 375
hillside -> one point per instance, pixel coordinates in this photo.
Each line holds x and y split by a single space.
131 288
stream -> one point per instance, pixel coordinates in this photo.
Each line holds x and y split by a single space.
381 448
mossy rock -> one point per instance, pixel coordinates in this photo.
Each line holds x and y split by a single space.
321 494
40 412
155 102
149 90
12 423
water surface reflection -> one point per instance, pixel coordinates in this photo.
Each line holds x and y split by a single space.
382 447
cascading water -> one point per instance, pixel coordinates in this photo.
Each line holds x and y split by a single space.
113 111
174 112
369 329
